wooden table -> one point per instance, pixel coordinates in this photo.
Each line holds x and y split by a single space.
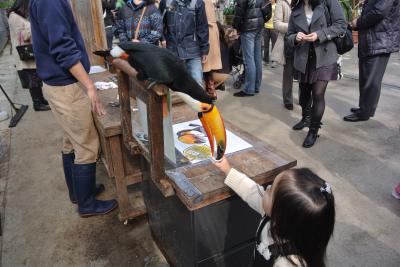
194 218
120 164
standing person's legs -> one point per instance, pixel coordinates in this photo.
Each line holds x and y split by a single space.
258 61
71 108
109 36
318 108
274 37
287 83
35 89
247 42
73 113
267 38
195 69
318 98
373 69
305 102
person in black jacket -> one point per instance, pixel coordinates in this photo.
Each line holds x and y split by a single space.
249 20
108 7
379 36
186 33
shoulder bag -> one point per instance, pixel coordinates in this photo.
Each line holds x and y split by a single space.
344 42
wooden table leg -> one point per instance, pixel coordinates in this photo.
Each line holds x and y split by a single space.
126 211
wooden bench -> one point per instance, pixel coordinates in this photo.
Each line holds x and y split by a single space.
119 163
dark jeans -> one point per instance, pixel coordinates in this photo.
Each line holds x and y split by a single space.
269 35
371 74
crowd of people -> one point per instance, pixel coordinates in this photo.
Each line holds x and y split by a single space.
298 210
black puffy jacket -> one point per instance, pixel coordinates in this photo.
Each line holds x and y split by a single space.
379 28
250 15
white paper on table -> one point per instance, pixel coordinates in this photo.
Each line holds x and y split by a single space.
96 69
234 142
105 85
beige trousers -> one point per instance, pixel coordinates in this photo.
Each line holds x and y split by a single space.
71 108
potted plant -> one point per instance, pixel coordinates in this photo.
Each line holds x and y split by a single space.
229 12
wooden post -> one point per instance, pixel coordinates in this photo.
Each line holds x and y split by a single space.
89 17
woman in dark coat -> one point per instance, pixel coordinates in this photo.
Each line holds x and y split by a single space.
312 27
20 34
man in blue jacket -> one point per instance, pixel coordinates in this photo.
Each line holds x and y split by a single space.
62 62
186 33
379 36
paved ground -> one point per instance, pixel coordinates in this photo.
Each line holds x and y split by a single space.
360 160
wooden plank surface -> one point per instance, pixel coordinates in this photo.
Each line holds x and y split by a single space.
89 17
202 183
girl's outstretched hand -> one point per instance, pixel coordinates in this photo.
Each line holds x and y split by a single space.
223 165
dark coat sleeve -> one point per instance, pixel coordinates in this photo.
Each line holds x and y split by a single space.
240 10
202 28
338 26
291 33
120 26
379 10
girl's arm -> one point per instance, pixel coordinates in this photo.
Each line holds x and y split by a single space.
246 188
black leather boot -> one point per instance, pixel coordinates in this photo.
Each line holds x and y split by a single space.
312 135
68 162
38 105
305 120
44 101
84 176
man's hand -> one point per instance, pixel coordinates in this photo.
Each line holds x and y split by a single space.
97 107
203 59
223 165
80 74
312 37
300 37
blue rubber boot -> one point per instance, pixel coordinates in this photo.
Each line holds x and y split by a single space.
84 183
68 162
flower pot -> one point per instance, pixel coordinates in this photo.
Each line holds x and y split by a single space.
228 19
355 37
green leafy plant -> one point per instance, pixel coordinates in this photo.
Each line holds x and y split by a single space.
120 3
229 8
347 9
6 4
351 9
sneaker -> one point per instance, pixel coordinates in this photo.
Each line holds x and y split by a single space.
396 192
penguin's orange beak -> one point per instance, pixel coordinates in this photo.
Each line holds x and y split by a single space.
214 126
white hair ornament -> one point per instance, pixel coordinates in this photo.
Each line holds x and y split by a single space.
326 188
